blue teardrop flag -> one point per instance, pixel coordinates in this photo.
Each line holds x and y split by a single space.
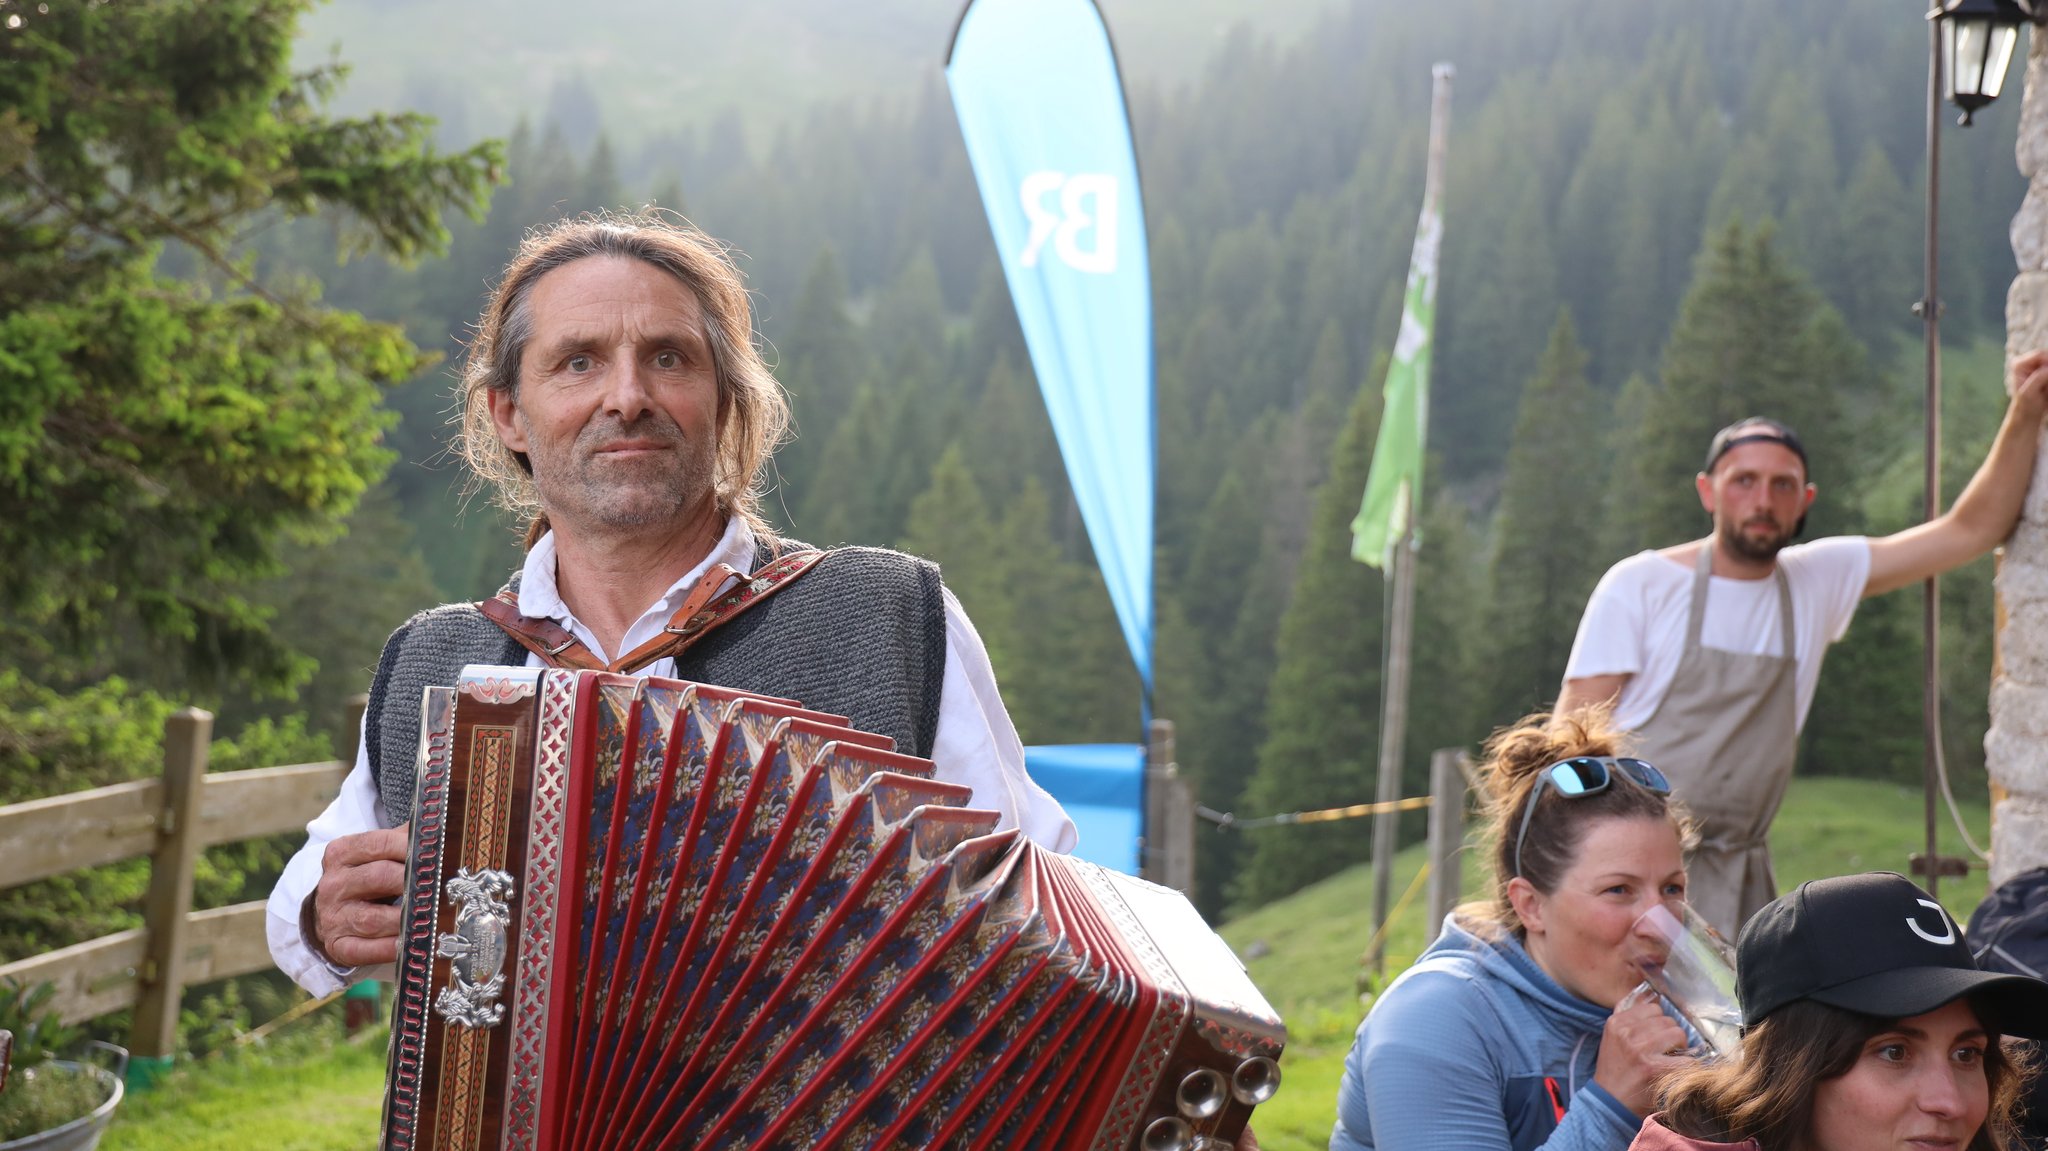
1035 85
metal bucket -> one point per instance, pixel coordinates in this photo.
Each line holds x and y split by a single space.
82 1133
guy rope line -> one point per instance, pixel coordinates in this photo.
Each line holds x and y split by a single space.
1379 936
1227 820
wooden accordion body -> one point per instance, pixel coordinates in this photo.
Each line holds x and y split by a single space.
644 914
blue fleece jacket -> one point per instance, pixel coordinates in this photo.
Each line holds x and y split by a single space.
1455 1054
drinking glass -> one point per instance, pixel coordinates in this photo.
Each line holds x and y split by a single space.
1693 969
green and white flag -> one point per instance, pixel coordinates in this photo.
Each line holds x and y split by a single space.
1391 491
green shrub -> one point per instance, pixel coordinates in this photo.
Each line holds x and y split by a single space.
41 1094
39 1033
48 1095
53 743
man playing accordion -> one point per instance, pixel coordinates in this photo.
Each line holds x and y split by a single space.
614 395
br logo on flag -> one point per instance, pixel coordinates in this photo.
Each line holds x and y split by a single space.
1087 205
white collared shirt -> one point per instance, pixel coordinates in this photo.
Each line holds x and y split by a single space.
976 745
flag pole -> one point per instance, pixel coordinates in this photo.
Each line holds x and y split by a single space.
1393 725
1395 675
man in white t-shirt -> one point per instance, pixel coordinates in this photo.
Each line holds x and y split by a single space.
1709 651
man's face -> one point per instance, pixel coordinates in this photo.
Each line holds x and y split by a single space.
617 403
1757 494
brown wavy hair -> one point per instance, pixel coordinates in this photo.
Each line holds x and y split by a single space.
1515 759
753 411
1766 1092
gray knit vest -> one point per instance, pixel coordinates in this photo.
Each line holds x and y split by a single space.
862 634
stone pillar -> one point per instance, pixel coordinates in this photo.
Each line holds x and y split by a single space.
2016 747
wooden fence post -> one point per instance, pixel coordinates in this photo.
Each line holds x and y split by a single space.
363 1002
352 735
1168 858
155 1035
1446 835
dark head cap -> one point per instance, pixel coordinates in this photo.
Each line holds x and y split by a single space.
1754 430
1874 944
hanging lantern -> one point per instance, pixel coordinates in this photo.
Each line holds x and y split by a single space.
1978 38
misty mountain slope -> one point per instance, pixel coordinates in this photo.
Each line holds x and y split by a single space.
648 66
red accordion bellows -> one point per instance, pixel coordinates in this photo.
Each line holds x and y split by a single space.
649 914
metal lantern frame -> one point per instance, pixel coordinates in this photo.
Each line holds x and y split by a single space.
1976 40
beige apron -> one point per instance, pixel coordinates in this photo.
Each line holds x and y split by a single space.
1726 734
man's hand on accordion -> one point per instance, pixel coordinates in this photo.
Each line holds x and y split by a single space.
355 907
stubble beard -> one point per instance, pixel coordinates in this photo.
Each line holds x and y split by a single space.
582 489
1740 542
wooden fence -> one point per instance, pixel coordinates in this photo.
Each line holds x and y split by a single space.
170 820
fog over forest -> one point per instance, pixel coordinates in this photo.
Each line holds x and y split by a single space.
1659 218
1598 162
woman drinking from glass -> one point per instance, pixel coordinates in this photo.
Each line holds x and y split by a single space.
1504 1036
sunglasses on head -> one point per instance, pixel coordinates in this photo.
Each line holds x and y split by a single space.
1585 775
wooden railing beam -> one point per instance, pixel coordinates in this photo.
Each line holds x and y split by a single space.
105 974
170 820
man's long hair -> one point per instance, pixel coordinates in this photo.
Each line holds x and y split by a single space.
753 412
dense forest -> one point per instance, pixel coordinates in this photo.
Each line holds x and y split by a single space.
1659 218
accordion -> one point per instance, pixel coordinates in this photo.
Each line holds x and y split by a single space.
643 913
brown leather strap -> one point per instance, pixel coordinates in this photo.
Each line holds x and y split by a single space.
543 637
710 585
707 606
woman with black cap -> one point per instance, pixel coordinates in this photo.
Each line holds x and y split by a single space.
1867 1026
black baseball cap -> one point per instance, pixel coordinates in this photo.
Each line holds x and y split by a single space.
1878 945
1754 430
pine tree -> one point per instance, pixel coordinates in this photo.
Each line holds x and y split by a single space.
1224 593
666 193
600 187
1751 340
951 525
336 602
1213 586
573 107
549 185
1448 647
821 358
1655 237
1594 213
1321 736
911 312
846 503
1072 680
1622 525
1547 551
992 330
1878 265
1491 325
1866 715
1009 436
162 442
1329 378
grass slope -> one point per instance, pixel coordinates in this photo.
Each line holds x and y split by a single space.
289 1100
1315 937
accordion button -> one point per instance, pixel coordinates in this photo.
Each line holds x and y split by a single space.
1202 1094
1256 1080
1167 1134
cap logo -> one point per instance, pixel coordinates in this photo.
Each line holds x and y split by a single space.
1948 929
